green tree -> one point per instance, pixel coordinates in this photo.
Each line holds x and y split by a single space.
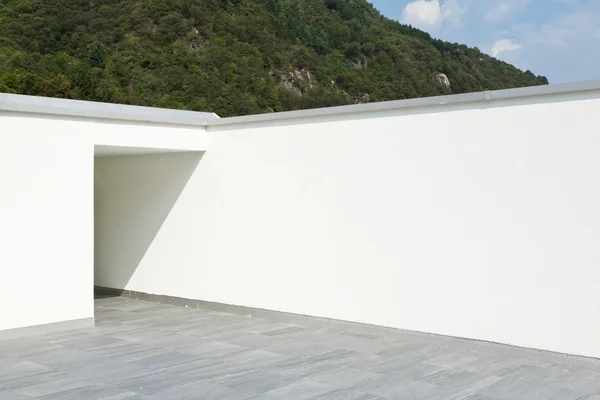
96 54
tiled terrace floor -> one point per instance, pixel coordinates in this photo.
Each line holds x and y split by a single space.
143 350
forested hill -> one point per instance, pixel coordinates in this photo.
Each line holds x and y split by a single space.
233 57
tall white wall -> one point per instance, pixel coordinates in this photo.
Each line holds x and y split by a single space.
479 221
46 224
47 210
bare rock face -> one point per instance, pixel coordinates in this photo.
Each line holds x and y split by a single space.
298 81
443 80
196 43
357 64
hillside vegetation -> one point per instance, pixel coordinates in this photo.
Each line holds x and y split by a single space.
233 57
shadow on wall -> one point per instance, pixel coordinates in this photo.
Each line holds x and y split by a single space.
133 197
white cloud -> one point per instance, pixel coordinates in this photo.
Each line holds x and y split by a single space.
423 14
453 12
431 15
505 9
503 45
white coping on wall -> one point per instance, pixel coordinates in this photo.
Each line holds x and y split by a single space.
89 109
434 101
114 129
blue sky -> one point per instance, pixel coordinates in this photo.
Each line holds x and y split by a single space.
559 39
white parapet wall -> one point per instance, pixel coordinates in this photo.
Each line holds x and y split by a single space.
46 224
478 219
47 150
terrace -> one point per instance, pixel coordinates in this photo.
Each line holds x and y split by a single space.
310 248
146 350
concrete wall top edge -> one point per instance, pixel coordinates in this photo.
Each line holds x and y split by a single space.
98 110
77 108
424 102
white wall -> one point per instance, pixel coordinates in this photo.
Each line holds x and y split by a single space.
479 221
46 224
47 208
134 195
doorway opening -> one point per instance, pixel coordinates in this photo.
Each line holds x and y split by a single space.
135 190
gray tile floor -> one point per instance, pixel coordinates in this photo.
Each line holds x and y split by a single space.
144 350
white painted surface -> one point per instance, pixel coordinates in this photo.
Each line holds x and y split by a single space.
46 226
479 221
134 195
47 210
152 137
50 106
